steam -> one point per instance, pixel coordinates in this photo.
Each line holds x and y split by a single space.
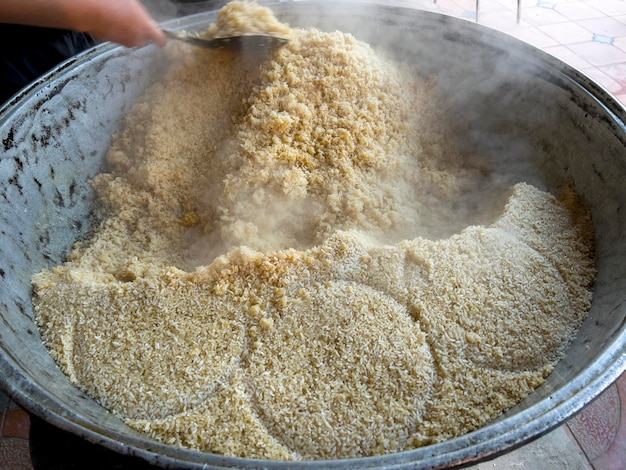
427 180
161 10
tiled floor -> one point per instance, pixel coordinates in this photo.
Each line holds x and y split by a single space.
591 36
587 34
14 426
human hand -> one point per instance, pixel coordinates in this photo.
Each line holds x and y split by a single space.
125 22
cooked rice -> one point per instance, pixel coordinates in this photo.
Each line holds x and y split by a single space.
297 261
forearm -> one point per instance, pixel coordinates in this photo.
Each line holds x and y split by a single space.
122 21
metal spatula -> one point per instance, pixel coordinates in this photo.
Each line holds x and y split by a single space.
259 41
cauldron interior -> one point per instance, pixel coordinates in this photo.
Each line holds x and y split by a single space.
543 121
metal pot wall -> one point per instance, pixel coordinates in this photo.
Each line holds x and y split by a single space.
542 120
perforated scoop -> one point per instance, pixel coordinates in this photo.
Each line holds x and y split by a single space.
257 41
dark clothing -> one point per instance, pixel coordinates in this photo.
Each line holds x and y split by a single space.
28 52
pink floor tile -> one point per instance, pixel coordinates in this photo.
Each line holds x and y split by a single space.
14 454
453 7
595 428
566 55
605 26
468 5
489 6
618 73
610 7
449 7
610 84
502 20
598 54
533 36
620 43
541 16
578 10
600 428
615 456
567 33
16 424
528 3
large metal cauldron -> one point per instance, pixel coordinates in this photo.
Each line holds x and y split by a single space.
542 120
